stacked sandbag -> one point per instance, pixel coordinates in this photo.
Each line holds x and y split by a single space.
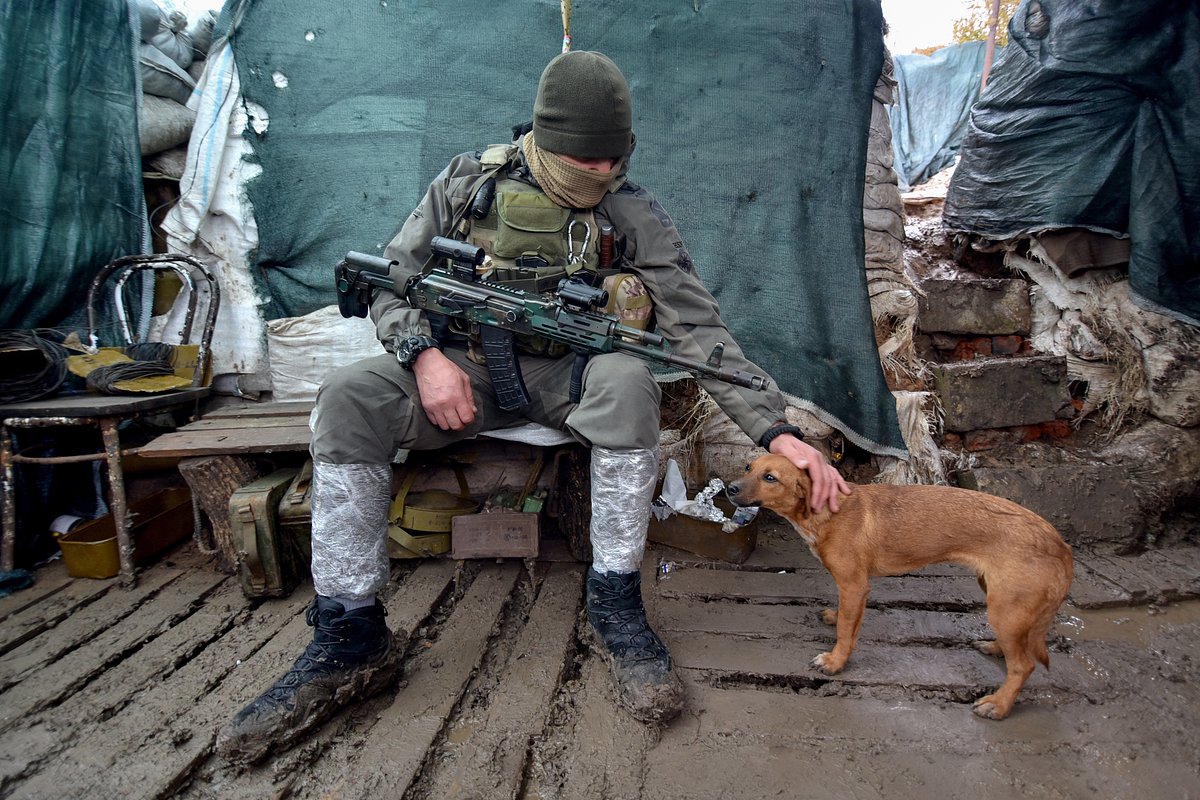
169 54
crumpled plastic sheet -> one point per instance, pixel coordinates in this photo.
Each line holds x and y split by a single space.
349 529
622 486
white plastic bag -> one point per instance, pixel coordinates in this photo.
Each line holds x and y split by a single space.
303 350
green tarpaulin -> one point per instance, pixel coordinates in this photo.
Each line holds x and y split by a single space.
751 118
71 196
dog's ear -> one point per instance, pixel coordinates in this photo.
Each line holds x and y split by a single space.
803 491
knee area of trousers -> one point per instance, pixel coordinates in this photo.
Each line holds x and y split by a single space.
623 373
345 386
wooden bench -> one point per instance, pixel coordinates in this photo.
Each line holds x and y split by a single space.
258 429
218 455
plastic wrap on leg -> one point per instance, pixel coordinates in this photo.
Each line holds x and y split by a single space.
349 528
622 488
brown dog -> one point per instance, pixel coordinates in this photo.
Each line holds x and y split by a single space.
1022 563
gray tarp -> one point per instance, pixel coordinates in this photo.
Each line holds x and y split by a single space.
71 197
1091 119
934 95
751 120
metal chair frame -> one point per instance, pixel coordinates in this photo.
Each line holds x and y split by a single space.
105 412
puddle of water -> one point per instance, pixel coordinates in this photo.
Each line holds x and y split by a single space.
1134 625
460 733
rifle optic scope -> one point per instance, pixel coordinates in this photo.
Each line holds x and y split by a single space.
577 293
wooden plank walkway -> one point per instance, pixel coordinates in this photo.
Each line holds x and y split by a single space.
114 692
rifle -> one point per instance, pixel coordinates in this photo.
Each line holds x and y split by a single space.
502 312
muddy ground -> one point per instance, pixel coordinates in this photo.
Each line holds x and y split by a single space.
107 691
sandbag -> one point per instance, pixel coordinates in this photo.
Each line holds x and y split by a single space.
302 350
161 76
200 30
163 124
173 39
148 16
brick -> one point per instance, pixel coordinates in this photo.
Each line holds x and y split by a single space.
1056 429
1093 504
977 441
986 306
1006 345
1002 392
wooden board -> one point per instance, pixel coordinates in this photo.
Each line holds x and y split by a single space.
491 744
298 408
238 430
231 441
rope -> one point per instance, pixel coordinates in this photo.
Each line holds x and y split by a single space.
150 351
30 378
566 20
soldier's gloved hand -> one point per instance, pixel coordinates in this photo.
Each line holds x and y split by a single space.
445 391
827 484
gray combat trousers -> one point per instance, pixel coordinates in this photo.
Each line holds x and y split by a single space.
368 410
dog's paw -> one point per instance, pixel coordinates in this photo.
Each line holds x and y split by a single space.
827 664
988 708
989 649
829 616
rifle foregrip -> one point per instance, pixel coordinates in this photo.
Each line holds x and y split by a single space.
581 361
503 368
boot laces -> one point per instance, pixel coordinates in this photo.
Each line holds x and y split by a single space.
317 660
624 619
638 642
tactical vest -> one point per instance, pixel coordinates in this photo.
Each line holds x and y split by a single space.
532 243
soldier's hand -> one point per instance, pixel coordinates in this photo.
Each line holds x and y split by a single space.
445 391
827 483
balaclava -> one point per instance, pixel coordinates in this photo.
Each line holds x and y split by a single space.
582 109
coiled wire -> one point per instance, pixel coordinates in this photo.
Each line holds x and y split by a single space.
30 378
150 360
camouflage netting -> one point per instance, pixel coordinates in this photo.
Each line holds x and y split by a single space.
71 195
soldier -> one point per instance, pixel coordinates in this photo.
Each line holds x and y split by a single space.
555 202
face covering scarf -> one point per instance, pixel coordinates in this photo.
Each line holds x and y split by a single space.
566 184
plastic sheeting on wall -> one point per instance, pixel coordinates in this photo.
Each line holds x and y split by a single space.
1091 119
934 95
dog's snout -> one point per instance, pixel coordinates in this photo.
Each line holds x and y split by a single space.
732 489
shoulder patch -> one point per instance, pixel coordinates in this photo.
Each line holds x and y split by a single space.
497 155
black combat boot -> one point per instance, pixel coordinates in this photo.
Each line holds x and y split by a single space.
641 665
352 656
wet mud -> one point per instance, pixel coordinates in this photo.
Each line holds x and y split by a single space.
110 691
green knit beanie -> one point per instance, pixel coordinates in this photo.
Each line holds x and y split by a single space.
582 107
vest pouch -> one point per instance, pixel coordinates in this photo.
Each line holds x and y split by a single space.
628 300
530 224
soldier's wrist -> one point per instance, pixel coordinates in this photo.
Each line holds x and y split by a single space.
410 348
775 431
